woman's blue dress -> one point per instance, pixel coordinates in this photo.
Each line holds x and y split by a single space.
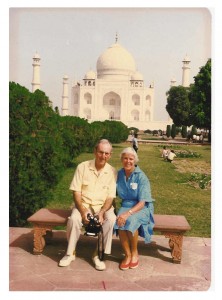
135 189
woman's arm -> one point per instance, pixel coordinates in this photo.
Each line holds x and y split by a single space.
121 219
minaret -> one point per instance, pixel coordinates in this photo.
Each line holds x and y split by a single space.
186 72
173 82
36 72
152 85
65 96
116 39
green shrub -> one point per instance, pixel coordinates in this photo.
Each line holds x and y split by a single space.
42 145
168 131
114 131
134 129
184 131
203 180
187 153
33 166
193 131
173 131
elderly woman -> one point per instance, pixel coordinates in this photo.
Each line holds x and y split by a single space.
135 216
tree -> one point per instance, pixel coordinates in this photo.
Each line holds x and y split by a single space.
200 98
173 131
33 167
168 131
184 131
178 105
193 131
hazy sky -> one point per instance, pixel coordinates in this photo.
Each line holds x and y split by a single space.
70 40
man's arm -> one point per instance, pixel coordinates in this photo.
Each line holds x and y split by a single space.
107 205
77 197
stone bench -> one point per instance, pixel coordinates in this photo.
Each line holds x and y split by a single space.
171 226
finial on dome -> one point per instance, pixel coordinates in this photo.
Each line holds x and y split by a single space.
116 37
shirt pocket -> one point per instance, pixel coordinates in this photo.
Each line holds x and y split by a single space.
85 185
105 188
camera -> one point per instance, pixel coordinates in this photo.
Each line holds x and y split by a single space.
94 226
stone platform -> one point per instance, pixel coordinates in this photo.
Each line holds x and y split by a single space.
156 272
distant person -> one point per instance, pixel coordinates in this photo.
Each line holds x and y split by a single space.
164 153
201 137
194 138
188 135
171 156
135 142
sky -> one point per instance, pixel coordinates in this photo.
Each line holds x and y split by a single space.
70 40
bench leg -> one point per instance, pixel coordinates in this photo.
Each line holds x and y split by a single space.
176 245
39 240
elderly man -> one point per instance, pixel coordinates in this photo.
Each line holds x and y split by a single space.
94 188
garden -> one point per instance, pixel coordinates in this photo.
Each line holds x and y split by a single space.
179 188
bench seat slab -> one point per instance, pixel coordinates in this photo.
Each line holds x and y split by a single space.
171 226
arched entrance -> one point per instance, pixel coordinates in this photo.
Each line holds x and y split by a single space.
112 105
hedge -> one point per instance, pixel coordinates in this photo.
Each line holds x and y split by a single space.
42 144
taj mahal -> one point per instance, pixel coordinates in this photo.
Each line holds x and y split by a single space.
116 91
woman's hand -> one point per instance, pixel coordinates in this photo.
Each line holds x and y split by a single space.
121 219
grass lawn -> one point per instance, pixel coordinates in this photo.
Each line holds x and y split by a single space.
171 187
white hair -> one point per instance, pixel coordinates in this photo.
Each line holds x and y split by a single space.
103 141
130 150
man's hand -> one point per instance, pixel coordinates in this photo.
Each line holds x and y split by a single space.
101 216
85 220
77 197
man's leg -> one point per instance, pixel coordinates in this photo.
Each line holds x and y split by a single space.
74 226
110 219
108 224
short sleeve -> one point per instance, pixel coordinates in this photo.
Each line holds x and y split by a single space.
76 184
144 190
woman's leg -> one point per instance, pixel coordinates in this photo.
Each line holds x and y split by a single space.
125 243
133 238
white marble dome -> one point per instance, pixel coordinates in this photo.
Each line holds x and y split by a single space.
115 61
90 75
137 76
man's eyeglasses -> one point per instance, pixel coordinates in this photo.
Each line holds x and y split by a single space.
101 153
